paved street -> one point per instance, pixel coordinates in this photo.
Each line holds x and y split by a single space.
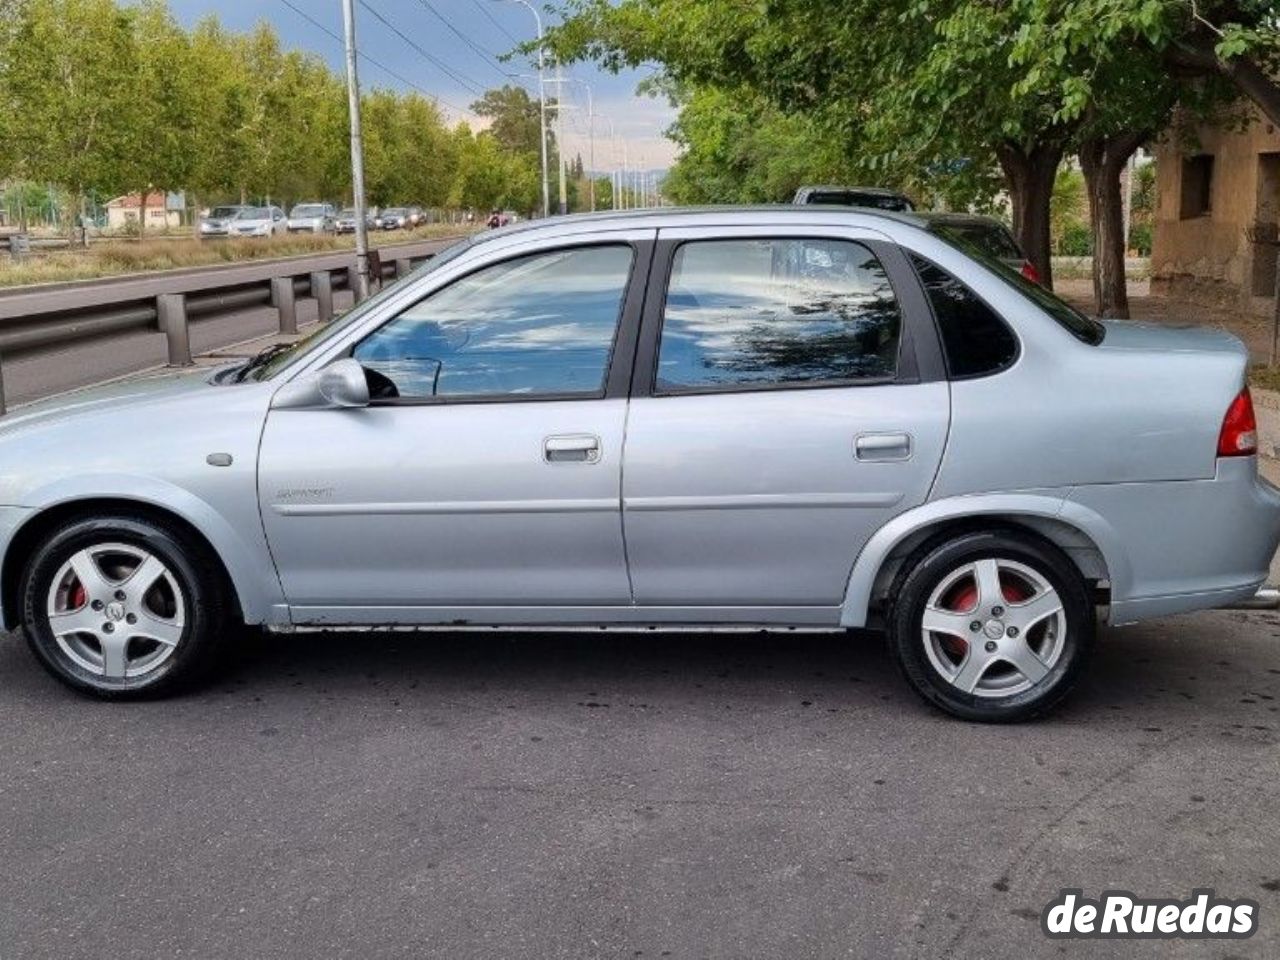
585 795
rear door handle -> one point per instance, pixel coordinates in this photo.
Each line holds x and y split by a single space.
882 446
571 448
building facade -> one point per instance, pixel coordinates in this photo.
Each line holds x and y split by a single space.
127 209
1217 216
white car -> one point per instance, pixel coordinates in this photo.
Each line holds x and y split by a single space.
311 218
258 222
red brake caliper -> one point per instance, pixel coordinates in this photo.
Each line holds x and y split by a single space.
962 599
965 598
78 596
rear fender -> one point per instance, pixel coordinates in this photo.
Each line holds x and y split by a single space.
1045 511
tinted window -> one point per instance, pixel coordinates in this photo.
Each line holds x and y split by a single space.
975 340
992 238
853 198
1076 323
763 312
535 325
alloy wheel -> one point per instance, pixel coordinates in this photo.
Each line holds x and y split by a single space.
116 610
994 627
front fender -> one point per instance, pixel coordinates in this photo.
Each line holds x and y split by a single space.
238 540
1047 504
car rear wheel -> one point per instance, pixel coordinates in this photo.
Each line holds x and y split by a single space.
124 606
992 626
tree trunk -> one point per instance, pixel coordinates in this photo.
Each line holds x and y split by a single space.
1103 160
142 215
195 217
1029 176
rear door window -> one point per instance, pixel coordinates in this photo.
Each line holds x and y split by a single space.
761 313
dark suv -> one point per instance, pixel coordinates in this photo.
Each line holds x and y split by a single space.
877 198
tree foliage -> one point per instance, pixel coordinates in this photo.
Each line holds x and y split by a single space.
925 90
106 97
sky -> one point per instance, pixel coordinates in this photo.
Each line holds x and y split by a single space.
454 67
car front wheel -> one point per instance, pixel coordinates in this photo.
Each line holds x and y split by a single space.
991 625
124 606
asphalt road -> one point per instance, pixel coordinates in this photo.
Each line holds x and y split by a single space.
34 375
586 795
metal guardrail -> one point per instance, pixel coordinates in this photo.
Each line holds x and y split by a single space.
32 318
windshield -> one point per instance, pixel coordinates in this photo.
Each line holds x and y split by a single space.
308 210
328 331
221 213
347 212
253 213
394 212
1076 323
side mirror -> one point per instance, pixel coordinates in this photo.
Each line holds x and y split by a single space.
343 384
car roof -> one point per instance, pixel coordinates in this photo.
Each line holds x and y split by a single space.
782 214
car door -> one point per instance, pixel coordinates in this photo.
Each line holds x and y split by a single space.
788 399
485 473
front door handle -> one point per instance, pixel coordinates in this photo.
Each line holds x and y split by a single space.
571 448
882 446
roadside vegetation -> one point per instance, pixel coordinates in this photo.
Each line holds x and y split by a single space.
104 98
957 102
117 257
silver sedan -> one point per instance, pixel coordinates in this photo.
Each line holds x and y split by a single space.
731 419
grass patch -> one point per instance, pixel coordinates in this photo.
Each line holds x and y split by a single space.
1081 268
1264 377
118 257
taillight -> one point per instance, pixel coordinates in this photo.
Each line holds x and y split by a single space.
1239 436
1030 272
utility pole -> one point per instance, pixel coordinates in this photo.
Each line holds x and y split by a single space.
564 195
357 153
542 108
591 141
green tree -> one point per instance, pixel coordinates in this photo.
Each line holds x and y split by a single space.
514 117
66 82
918 86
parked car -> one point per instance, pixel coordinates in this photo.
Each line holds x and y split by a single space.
346 221
394 218
217 222
416 217
877 198
775 417
258 222
311 218
987 234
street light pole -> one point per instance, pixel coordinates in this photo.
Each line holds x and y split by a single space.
564 196
357 153
542 108
591 140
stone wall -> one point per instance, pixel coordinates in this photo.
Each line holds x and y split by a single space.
1209 257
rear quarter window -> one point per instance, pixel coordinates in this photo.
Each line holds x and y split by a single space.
975 340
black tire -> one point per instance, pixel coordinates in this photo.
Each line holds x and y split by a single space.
930 568
208 616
